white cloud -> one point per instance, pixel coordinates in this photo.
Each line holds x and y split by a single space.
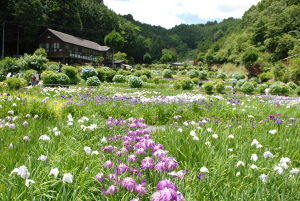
168 13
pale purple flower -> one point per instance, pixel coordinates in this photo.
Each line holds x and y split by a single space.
294 171
42 158
25 123
12 126
268 154
128 183
254 157
140 190
112 190
27 115
132 158
87 150
36 116
264 178
26 138
100 177
166 184
108 164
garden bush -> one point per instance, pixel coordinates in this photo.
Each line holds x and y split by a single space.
279 88
233 81
72 73
203 75
119 79
180 68
144 78
28 74
101 74
14 83
254 83
240 83
62 79
298 91
253 79
193 73
266 76
238 76
8 65
93 81
177 85
35 62
261 88
135 82
220 86
167 73
221 76
247 87
88 71
137 73
292 85
3 86
49 77
156 80
187 84
123 72
109 75
147 73
53 67
208 86
195 80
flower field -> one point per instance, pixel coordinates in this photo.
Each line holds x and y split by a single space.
113 143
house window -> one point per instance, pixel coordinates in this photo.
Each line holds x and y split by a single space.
55 47
47 47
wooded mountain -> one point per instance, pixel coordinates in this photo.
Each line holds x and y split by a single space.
271 27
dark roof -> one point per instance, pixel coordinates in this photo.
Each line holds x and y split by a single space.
177 64
78 41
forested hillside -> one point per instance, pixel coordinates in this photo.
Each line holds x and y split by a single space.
271 28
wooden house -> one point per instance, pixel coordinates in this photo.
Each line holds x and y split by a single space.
69 49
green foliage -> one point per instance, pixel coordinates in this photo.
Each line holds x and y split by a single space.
3 86
114 40
49 77
292 85
28 74
93 81
147 73
123 72
195 80
137 73
119 79
88 71
135 82
264 77
203 75
109 75
221 76
70 71
62 79
101 74
193 73
8 65
261 88
156 80
295 70
240 83
279 88
147 58
298 90
220 86
177 85
121 56
40 52
253 79
14 83
238 76
167 73
187 84
255 84
250 56
144 78
247 87
168 56
35 62
208 86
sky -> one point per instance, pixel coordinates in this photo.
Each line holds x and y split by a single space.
169 13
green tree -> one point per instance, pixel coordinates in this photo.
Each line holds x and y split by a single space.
147 58
250 56
156 48
168 56
209 58
115 41
40 52
121 56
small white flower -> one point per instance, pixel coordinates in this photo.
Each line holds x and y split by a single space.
36 116
73 138
238 174
180 130
264 178
14 104
68 178
192 133
231 150
278 169
250 116
42 158
215 136
268 154
45 138
273 132
86 169
28 181
204 170
285 160
69 116
104 140
71 119
54 172
87 150
234 108
240 163
193 122
54 129
254 157
243 110
57 133
26 138
95 153
209 130
294 171
70 123
186 123
207 143
195 138
230 136
284 165
253 167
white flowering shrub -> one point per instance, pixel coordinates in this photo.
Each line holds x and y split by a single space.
119 79
279 88
93 81
253 79
193 73
167 73
238 76
240 83
203 75
247 87
63 79
187 84
88 71
135 82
